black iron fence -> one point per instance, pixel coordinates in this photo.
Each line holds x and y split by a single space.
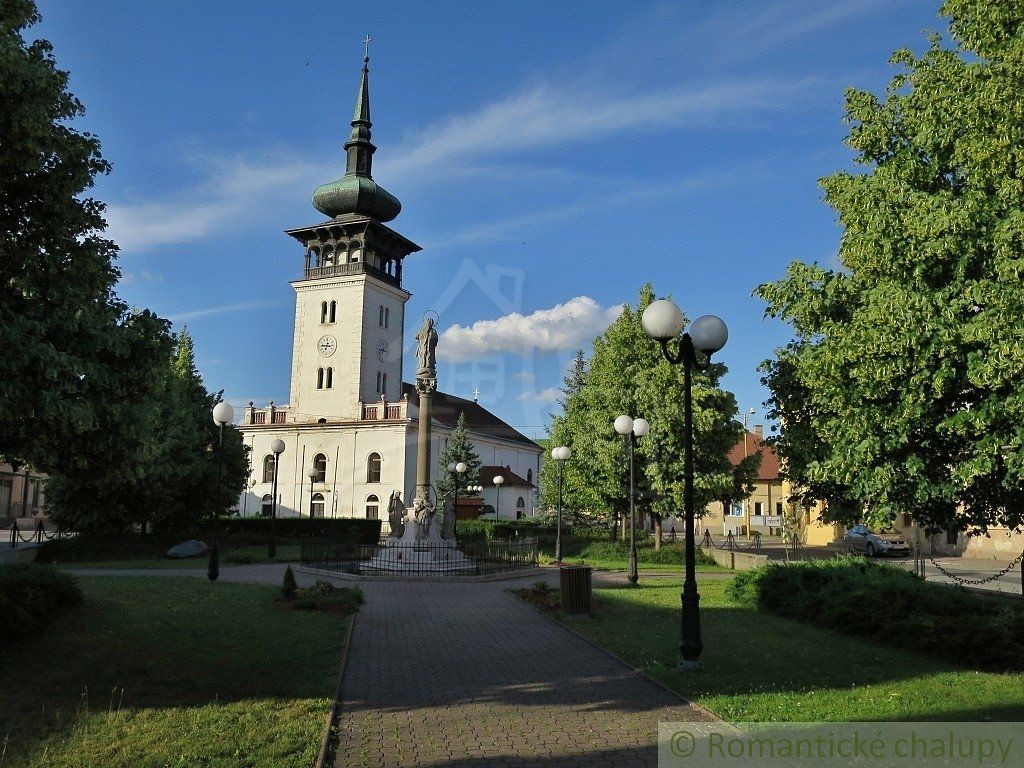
388 558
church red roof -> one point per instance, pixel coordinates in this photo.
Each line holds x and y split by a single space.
446 409
488 473
771 467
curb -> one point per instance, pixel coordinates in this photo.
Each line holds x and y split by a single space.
710 715
329 742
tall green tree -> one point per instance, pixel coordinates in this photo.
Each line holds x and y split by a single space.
457 448
627 374
165 474
902 388
76 361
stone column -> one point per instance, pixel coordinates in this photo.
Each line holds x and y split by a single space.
426 388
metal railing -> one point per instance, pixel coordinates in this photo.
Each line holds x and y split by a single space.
38 536
387 558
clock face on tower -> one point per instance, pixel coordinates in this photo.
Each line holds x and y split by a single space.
382 350
327 345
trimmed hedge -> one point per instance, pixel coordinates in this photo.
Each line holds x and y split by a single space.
480 530
889 605
30 596
233 532
349 529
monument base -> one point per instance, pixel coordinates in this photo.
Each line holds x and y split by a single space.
413 553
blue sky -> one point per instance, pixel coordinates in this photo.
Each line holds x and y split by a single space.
550 157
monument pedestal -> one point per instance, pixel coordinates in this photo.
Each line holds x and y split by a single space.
414 554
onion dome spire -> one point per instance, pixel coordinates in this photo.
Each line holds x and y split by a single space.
356 193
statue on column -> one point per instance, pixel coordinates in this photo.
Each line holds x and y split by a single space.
426 338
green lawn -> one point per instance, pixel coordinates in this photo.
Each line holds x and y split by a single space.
171 672
286 553
767 668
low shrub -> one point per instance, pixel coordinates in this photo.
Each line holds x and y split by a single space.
545 532
670 554
888 604
31 595
356 530
324 596
232 532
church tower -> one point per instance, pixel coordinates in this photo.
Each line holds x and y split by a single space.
350 303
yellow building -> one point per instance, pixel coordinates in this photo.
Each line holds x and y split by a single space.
769 509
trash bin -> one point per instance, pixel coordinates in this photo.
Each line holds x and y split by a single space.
574 581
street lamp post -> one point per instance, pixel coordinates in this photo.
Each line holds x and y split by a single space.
311 473
223 414
663 321
456 468
560 454
631 429
277 448
498 480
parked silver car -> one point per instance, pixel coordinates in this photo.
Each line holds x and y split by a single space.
860 538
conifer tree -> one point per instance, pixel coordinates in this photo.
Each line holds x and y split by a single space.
457 448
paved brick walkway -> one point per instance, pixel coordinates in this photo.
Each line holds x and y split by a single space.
445 675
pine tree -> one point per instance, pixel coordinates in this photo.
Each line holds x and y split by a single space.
457 448
575 379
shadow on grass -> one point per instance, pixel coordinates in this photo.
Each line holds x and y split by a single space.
761 666
163 642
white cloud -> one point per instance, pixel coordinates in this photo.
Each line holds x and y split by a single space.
223 309
524 376
548 395
234 192
562 327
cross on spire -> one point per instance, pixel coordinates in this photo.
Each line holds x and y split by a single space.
476 394
366 47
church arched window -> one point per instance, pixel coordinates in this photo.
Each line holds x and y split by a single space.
267 505
319 378
383 383
328 257
268 468
372 507
354 251
332 314
320 467
529 476
316 509
323 312
373 468
520 507
329 379
387 316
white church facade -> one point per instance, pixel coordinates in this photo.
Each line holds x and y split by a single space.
350 426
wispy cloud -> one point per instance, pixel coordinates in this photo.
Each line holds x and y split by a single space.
236 190
626 193
223 309
550 115
562 327
548 395
484 143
